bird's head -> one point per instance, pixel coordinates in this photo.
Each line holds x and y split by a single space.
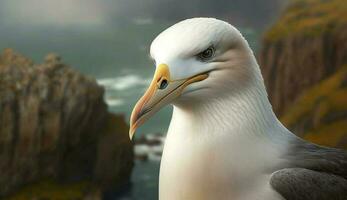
195 59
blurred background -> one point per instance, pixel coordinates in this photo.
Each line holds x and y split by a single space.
71 71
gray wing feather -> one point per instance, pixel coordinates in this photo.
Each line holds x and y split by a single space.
305 184
302 154
312 172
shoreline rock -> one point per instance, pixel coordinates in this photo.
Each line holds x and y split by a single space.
52 119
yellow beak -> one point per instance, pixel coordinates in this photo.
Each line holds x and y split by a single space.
161 92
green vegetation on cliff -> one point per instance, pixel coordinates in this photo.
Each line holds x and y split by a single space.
309 17
50 189
112 170
57 138
321 113
110 176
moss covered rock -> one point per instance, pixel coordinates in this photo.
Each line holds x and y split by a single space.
307 44
309 18
51 190
320 115
54 125
304 63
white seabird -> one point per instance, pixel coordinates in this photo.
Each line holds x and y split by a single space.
224 141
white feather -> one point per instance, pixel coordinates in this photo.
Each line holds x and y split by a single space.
224 140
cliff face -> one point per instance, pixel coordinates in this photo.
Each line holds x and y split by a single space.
115 154
307 44
304 59
320 115
52 120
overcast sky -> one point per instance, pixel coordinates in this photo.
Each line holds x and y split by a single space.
54 12
109 39
102 12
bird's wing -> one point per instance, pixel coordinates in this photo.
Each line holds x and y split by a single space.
302 154
312 172
305 184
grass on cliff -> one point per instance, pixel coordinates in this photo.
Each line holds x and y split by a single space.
326 106
50 190
309 18
329 134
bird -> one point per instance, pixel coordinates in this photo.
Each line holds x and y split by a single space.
224 141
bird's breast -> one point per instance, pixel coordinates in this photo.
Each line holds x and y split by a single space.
213 168
192 172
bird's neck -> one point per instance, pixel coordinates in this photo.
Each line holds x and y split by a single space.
248 113
227 141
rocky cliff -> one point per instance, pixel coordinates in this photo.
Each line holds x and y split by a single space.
306 45
304 59
53 124
320 114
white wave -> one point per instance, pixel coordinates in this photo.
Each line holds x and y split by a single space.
141 150
114 102
123 82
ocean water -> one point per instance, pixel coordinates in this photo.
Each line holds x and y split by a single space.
117 56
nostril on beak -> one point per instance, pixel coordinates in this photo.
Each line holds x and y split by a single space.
163 83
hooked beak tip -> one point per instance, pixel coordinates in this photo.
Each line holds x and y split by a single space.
131 135
132 131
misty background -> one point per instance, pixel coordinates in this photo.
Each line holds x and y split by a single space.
110 40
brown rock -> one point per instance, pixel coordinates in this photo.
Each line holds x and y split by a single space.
51 120
113 165
304 60
302 49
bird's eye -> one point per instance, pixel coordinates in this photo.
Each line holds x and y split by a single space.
206 54
162 83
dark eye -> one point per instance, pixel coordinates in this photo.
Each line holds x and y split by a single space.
206 54
162 83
